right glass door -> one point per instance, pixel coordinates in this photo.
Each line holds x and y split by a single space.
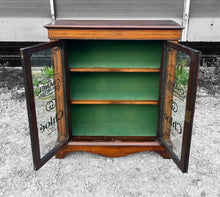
177 101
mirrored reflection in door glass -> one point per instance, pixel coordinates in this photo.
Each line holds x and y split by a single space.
176 87
47 87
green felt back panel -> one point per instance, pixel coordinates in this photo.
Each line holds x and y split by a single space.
114 120
114 86
114 53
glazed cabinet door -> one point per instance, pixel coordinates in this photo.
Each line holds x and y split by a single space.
45 80
177 101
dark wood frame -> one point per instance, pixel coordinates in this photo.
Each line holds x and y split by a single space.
190 105
37 160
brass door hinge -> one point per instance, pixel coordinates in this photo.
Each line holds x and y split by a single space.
188 116
22 55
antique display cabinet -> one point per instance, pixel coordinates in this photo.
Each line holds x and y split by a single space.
111 88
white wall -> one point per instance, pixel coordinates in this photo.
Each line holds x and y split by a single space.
23 20
204 29
204 23
23 29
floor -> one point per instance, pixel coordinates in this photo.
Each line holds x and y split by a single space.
85 174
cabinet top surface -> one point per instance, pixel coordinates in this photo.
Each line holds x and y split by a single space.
114 24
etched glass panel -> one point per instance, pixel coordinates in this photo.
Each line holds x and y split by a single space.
175 98
48 95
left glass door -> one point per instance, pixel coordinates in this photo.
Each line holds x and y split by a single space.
44 74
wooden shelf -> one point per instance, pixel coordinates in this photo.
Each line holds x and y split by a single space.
117 144
125 102
114 69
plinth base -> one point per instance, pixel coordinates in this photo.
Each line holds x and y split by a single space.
112 149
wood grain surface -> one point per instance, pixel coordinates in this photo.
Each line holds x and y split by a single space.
115 34
112 149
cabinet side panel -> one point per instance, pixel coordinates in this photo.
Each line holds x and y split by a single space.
171 62
58 82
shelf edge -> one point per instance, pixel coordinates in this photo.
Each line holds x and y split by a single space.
125 102
114 69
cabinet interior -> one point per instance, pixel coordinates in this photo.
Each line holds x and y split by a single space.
114 53
114 86
139 81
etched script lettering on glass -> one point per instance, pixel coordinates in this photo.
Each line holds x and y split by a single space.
177 76
45 84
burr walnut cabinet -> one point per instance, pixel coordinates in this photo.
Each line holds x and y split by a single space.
111 88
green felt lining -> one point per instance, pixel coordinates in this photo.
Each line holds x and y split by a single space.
114 86
114 120
114 54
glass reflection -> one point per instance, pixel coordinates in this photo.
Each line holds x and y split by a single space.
45 84
177 76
